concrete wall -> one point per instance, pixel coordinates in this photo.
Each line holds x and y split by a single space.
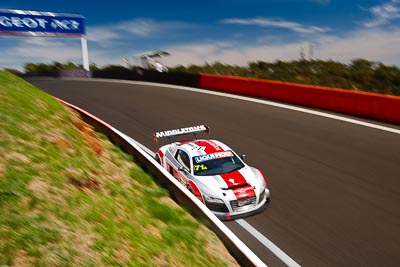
367 105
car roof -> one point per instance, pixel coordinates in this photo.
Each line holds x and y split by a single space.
202 146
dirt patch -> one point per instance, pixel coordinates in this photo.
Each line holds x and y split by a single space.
60 141
22 259
216 249
123 254
169 202
87 132
152 230
83 242
83 180
39 188
46 192
2 169
17 156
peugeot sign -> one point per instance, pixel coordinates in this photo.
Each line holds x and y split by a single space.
35 23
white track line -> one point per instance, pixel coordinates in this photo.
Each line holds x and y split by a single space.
254 232
145 149
264 102
299 109
276 251
267 243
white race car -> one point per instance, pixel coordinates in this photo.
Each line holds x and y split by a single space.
214 173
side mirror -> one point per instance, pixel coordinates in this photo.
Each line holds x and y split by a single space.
243 157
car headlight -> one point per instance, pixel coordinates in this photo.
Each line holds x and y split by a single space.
213 199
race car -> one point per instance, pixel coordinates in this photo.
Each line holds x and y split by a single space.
214 173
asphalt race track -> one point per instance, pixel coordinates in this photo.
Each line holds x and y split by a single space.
335 186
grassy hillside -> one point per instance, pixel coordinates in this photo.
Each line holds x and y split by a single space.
68 197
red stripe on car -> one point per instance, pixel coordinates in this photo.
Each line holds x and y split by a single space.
160 155
233 179
244 192
240 188
209 146
195 190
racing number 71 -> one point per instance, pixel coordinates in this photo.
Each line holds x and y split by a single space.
200 167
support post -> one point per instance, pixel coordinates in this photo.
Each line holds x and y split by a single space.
85 54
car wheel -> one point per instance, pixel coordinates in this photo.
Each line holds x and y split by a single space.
157 158
189 188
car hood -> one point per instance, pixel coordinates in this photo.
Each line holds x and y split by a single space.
230 180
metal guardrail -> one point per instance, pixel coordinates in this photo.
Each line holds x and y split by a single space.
236 247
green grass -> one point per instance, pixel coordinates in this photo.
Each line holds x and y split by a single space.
64 203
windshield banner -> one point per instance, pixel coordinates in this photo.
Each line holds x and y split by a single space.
216 155
35 23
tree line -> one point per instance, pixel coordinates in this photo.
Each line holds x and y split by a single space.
359 74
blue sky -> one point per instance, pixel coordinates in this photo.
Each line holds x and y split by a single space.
233 32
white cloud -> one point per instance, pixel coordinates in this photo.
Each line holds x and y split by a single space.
374 45
276 23
227 53
109 33
101 34
383 14
139 28
42 50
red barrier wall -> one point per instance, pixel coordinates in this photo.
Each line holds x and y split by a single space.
368 105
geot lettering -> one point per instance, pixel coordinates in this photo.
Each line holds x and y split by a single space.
34 23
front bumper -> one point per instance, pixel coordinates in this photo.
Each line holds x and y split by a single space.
226 216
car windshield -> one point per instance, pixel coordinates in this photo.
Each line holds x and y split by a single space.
216 163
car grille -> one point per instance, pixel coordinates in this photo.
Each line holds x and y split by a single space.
243 204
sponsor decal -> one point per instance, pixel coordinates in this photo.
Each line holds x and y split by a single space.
206 146
244 202
216 147
40 23
186 130
244 192
200 167
216 155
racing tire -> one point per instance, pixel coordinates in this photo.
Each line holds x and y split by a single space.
157 158
190 189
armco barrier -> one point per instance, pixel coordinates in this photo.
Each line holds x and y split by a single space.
176 78
367 105
239 251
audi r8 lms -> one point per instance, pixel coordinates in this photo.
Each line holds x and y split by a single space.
214 173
